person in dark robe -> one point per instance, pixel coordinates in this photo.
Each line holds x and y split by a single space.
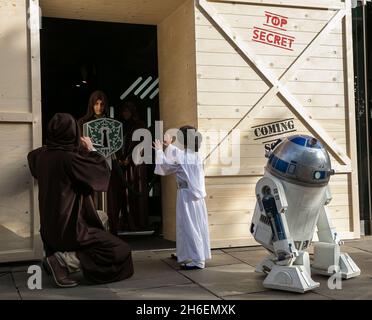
135 189
68 171
97 109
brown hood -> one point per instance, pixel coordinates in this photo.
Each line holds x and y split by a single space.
63 132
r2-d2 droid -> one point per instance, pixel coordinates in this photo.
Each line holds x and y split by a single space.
291 200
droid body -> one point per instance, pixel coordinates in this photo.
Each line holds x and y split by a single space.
291 202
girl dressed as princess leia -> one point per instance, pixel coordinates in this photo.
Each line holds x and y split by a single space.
192 240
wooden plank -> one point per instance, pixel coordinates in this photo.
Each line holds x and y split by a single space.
242 230
234 190
34 45
246 86
355 216
241 217
338 179
205 98
318 76
248 139
268 61
291 13
209 32
233 242
34 38
310 4
15 117
228 112
14 62
222 218
340 205
221 181
237 190
245 169
225 124
128 11
229 231
253 153
247 165
221 46
231 86
294 25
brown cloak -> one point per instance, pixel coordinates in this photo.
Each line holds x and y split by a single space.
67 177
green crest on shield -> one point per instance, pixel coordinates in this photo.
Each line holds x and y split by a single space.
106 135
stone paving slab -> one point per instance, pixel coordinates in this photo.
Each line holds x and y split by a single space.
181 292
5 268
239 249
150 269
228 280
219 258
363 261
350 249
8 290
150 274
138 256
358 288
18 267
148 283
277 295
172 263
51 292
362 245
253 258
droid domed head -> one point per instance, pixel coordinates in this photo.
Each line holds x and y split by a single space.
301 160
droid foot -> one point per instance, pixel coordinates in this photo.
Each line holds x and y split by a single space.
290 278
347 268
328 260
266 265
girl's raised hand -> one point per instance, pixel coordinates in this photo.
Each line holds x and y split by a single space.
158 145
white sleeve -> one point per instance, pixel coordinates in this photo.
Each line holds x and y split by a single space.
172 153
166 163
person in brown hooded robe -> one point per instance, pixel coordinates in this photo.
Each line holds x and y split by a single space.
68 171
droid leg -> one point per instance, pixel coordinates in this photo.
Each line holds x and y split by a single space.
327 256
287 268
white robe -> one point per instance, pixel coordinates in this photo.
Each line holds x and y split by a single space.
191 212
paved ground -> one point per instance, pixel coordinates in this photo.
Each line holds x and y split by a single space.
229 276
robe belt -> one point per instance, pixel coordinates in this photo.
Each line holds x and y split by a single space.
182 185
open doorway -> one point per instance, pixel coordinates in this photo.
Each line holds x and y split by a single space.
79 57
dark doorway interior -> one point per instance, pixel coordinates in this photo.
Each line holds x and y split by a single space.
362 40
79 57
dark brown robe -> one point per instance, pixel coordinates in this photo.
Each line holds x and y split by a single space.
67 177
134 181
114 199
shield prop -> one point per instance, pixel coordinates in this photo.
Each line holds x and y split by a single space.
106 135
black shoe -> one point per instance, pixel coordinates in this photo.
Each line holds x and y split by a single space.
59 273
173 256
186 267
